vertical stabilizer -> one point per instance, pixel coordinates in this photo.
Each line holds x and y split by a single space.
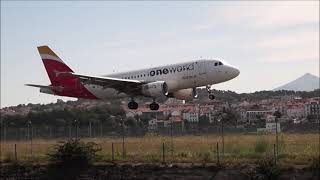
54 65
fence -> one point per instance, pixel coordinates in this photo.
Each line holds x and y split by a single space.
236 147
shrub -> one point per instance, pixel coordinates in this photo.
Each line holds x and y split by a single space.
69 159
205 156
268 168
314 165
261 146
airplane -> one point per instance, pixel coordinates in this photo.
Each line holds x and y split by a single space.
178 81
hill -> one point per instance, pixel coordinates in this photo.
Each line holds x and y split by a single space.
307 82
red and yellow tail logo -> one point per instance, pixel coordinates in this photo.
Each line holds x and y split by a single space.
54 66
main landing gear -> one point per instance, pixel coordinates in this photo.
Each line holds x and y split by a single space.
154 106
211 95
133 105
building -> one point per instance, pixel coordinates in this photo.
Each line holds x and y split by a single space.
191 117
256 115
152 125
174 125
312 108
270 127
296 112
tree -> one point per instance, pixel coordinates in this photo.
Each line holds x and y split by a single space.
203 121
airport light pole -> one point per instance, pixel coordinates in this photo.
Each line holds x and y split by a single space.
76 128
123 150
171 133
5 131
29 123
70 123
277 115
90 134
318 113
222 129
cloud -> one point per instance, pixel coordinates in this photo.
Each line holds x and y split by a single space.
267 14
294 46
200 27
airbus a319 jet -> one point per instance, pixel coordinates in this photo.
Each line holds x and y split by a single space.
173 81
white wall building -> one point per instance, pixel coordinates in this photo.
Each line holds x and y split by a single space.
153 125
272 126
191 117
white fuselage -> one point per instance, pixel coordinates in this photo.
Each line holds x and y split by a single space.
177 76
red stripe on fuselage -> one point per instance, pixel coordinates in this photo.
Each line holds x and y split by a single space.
71 86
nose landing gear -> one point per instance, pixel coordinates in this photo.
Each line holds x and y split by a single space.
211 95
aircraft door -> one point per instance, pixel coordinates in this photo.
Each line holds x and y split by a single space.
201 73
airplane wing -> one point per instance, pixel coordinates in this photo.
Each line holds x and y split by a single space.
130 87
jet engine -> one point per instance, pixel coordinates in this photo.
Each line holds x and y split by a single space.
155 89
184 94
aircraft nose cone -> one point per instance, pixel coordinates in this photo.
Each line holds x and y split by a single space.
234 72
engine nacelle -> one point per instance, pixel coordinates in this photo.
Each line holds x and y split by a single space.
155 89
185 94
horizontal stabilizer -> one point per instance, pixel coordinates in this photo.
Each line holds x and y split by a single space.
38 86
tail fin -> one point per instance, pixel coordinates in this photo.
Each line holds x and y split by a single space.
54 66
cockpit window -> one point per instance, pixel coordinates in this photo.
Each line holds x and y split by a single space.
215 64
220 63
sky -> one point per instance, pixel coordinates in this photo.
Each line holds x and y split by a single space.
271 42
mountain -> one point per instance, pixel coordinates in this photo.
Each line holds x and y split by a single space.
307 82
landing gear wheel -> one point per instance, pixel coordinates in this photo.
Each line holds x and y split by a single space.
154 106
211 97
132 105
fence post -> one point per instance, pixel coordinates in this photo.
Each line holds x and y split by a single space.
112 152
218 158
15 152
163 153
274 154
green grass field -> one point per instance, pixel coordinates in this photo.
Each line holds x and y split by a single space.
238 148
